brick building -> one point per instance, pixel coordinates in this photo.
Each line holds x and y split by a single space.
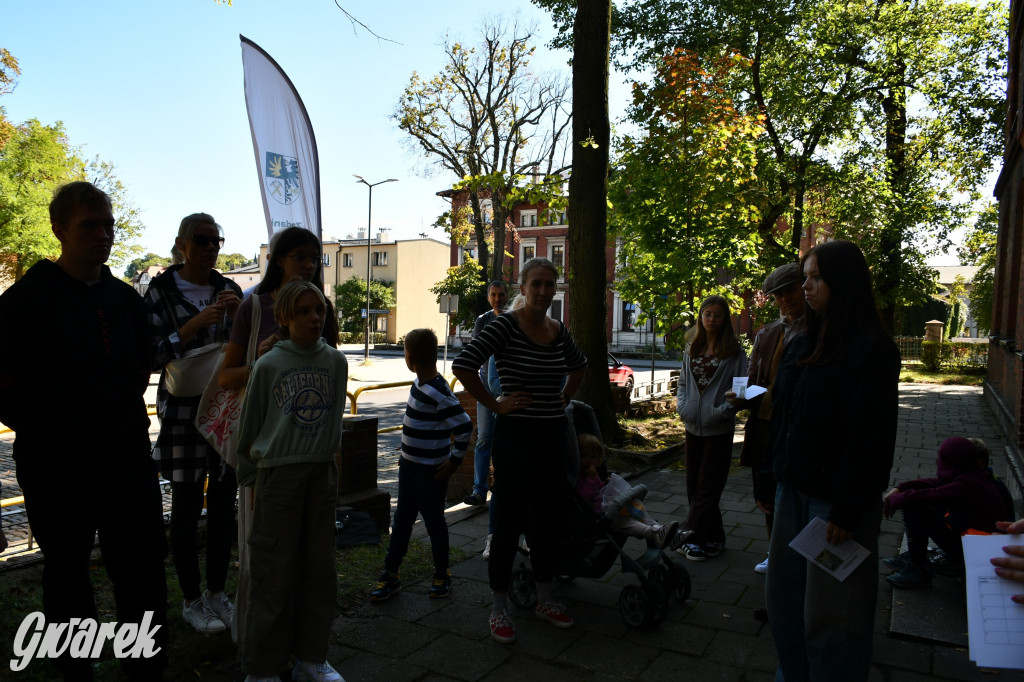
535 231
1004 385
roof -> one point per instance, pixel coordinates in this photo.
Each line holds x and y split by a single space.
948 273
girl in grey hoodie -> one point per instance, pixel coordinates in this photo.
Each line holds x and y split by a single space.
710 362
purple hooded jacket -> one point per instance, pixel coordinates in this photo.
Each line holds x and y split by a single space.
963 484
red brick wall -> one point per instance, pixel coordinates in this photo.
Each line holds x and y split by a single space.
461 482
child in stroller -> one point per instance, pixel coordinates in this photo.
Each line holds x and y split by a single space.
609 495
591 544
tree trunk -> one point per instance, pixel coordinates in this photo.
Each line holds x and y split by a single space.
479 233
887 279
499 216
588 190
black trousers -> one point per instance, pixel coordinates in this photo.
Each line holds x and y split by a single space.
707 469
923 522
221 528
529 458
68 499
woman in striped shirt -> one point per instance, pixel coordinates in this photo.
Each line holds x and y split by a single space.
540 368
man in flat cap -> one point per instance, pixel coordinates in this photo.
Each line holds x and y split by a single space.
784 285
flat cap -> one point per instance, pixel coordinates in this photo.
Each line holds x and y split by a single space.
782 277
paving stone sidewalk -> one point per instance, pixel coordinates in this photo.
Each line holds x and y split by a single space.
713 636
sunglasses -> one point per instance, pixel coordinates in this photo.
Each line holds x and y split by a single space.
205 240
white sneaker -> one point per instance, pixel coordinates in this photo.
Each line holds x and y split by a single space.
200 616
222 606
315 672
762 567
487 547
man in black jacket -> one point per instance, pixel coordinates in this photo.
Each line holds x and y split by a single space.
74 364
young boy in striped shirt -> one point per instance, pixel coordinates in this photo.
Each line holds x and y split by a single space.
433 416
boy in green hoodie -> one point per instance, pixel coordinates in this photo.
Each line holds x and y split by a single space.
290 431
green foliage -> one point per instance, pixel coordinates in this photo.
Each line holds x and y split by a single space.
911 319
685 192
143 262
128 225
464 281
34 162
955 322
980 249
842 150
955 356
230 261
350 299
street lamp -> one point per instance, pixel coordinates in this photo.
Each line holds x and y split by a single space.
369 217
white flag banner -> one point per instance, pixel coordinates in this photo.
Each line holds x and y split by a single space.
282 139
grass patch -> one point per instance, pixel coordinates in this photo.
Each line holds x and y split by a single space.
191 655
917 374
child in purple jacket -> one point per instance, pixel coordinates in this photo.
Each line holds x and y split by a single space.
964 496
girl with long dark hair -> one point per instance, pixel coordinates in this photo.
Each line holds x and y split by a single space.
834 413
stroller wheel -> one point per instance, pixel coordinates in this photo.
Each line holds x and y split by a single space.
661 576
522 590
681 586
635 606
659 602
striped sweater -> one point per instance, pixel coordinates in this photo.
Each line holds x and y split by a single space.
525 365
432 416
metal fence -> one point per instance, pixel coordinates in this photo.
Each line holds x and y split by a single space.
961 353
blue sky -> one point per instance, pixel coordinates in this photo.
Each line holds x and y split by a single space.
157 89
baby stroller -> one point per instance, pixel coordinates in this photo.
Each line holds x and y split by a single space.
590 548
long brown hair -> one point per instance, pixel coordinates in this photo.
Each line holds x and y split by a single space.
851 313
728 345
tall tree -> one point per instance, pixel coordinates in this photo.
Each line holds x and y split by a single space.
980 249
490 120
350 300
128 225
685 192
142 262
34 162
908 94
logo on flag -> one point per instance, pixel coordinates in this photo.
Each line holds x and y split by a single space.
281 177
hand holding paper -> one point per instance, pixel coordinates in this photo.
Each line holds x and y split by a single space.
744 392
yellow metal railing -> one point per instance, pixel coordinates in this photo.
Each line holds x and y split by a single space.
353 398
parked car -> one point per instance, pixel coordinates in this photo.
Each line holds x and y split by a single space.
619 373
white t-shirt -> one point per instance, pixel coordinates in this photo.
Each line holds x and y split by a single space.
199 295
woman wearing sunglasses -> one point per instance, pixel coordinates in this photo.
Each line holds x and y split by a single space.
190 306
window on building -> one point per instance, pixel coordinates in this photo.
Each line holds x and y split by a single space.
556 218
528 218
558 255
380 257
529 252
628 316
327 260
556 310
486 211
346 260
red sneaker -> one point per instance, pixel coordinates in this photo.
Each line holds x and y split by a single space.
554 613
502 629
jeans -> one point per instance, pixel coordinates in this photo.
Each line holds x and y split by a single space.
823 628
418 493
482 450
